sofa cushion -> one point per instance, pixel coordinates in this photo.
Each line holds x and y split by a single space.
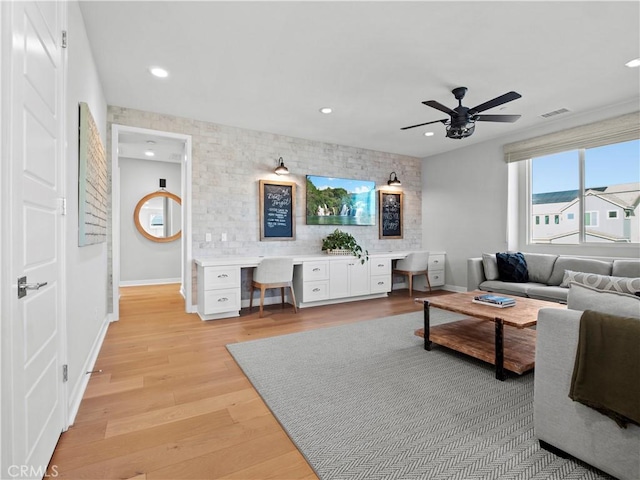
490 265
583 298
508 288
540 266
545 292
602 282
626 268
512 267
576 264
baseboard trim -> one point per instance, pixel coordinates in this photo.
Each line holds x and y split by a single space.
154 281
78 392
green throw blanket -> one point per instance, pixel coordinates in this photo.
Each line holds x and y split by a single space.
606 374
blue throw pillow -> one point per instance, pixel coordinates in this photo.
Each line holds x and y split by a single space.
512 267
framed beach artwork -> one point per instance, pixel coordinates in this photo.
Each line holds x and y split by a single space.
340 201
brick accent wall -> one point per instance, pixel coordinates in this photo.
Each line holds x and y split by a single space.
228 162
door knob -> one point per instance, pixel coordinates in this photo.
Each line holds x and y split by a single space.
23 286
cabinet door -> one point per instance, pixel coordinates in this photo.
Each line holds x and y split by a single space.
359 279
339 278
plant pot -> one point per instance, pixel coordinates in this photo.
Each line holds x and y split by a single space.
339 251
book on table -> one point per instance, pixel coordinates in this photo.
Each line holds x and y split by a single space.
494 300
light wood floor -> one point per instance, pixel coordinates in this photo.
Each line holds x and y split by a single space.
171 402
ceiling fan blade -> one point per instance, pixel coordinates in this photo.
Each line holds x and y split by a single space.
421 124
497 118
507 97
439 106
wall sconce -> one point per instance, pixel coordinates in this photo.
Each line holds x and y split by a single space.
163 183
281 169
393 180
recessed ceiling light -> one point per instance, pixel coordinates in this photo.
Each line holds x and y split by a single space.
633 63
326 110
159 72
149 153
429 134
150 142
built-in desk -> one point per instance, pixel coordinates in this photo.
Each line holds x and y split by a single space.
319 279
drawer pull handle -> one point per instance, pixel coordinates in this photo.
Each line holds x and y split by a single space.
316 269
381 264
436 261
380 283
223 299
316 289
223 275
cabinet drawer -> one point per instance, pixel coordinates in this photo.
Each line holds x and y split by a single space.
380 266
436 262
223 300
313 291
436 278
221 277
380 283
315 271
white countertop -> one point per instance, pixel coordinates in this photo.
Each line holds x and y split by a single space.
244 262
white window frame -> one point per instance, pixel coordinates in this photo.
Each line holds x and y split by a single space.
591 214
571 216
609 212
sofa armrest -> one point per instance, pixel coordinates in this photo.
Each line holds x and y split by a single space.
475 273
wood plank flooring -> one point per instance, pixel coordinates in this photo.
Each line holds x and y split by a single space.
171 403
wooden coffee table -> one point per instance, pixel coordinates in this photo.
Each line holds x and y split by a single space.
511 348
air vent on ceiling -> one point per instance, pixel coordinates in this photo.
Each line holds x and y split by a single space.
176 157
560 111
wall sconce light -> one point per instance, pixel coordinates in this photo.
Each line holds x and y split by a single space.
393 180
281 169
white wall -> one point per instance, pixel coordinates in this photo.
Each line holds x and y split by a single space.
141 260
465 199
86 267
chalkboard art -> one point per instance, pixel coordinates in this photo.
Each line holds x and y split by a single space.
390 224
277 210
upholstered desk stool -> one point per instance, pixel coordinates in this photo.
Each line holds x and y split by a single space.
413 265
274 272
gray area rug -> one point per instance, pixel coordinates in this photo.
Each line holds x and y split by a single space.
366 401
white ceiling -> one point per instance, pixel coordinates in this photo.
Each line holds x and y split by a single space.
270 66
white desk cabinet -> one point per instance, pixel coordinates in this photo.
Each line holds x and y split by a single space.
436 269
218 292
348 278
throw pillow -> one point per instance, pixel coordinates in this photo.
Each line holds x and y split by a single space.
602 282
583 298
490 266
512 267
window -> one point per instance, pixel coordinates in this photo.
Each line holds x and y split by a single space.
611 184
537 219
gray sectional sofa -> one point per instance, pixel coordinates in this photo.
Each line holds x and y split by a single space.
546 274
568 426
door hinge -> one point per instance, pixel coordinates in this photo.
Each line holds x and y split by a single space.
64 39
62 206
65 372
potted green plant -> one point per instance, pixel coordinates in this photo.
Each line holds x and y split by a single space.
343 243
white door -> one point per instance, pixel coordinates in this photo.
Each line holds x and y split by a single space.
35 144
359 279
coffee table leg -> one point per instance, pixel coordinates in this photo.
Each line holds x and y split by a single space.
499 347
427 342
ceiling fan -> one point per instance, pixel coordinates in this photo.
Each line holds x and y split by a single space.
463 120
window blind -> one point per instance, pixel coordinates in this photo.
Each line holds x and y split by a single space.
613 130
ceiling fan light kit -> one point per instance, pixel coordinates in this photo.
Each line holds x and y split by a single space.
462 120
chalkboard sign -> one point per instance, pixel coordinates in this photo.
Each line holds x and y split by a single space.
277 210
390 224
